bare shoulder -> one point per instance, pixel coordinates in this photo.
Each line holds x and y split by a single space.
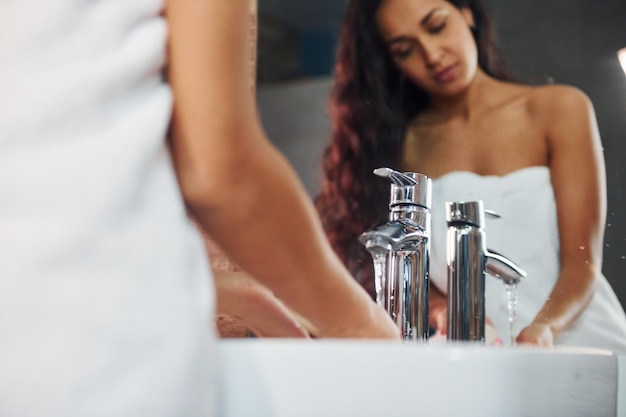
566 115
558 101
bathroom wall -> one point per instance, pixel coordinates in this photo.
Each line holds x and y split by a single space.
569 41
575 42
295 118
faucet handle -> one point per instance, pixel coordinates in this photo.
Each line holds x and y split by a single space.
409 188
469 212
492 214
466 212
398 178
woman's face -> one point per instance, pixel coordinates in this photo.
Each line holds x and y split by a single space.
431 43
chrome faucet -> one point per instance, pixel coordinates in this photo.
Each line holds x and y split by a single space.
399 249
468 260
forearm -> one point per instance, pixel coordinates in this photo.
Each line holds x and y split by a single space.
577 173
257 222
239 187
569 297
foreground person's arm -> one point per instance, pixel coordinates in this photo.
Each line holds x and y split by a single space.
239 187
245 306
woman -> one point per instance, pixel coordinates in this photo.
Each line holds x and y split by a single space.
107 299
420 87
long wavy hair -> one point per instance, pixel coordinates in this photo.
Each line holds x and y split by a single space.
371 104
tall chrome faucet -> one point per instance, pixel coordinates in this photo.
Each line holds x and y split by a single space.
468 260
399 249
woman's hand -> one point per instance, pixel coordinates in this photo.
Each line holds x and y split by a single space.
242 297
437 316
536 334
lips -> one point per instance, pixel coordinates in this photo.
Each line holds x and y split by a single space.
447 74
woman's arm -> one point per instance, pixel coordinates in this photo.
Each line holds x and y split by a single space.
578 177
239 187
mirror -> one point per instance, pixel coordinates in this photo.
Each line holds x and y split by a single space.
573 42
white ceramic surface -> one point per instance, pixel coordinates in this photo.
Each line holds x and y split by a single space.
289 378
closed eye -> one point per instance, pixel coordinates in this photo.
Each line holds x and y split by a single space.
437 28
402 49
403 53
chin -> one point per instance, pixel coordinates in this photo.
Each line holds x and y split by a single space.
452 89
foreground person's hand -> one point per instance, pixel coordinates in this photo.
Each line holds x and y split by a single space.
242 297
350 313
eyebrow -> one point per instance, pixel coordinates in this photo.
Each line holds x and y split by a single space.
423 22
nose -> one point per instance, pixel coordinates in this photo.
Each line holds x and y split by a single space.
431 52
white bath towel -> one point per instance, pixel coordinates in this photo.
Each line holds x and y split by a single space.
105 292
527 234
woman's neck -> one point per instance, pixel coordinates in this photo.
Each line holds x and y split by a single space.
465 105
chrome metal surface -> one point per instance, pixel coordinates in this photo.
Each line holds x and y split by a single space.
468 260
501 267
471 213
409 188
466 283
400 252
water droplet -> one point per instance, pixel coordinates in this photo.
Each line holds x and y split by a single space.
609 225
623 257
612 214
581 247
608 246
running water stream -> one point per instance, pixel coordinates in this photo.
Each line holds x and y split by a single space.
511 295
380 267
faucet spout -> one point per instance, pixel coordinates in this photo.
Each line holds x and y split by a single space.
502 267
396 235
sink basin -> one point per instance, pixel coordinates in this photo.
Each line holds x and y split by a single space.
349 378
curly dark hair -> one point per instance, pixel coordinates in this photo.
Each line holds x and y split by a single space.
370 106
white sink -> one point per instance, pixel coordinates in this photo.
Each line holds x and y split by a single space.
293 378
